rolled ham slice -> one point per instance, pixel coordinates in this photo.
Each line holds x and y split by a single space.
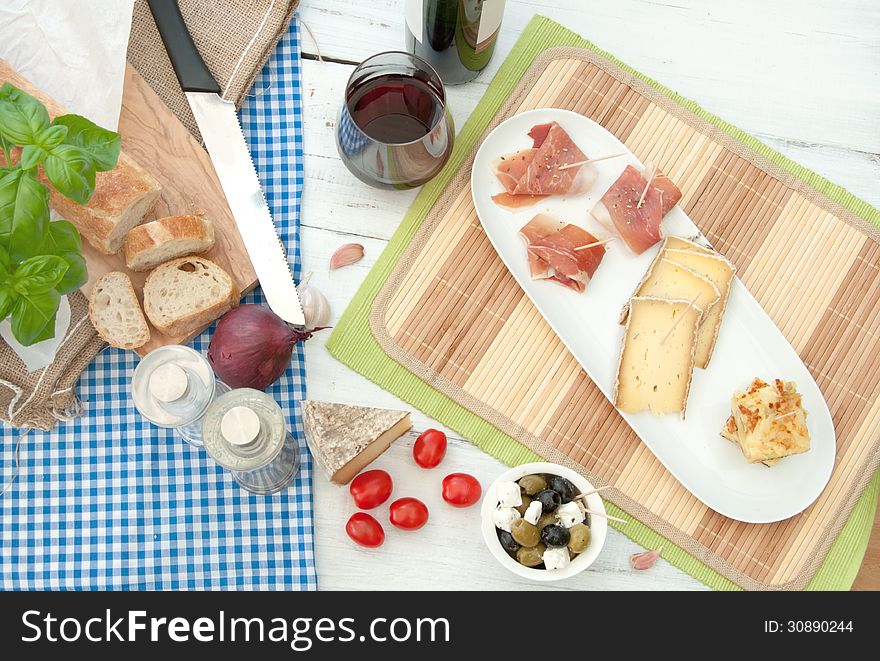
505 199
637 224
537 228
535 171
557 251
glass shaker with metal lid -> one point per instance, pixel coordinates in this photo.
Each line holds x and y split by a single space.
244 431
172 387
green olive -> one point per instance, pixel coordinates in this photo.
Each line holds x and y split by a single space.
579 538
525 505
532 484
525 533
547 519
530 556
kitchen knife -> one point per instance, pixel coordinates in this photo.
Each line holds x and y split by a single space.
221 132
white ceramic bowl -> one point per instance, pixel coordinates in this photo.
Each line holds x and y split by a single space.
598 524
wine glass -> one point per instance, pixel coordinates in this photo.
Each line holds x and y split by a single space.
394 129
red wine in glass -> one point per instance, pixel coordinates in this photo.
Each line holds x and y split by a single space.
394 129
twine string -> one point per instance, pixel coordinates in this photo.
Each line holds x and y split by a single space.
248 48
15 464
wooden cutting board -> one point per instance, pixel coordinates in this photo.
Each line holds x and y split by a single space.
157 140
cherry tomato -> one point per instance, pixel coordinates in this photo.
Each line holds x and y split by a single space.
408 513
371 488
430 448
365 530
461 490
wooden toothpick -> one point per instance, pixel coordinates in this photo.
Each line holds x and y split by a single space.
596 243
647 186
681 316
589 160
602 515
590 493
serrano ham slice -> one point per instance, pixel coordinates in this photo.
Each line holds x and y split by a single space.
536 171
505 199
537 228
557 251
634 212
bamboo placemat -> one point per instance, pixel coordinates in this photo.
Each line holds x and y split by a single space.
453 316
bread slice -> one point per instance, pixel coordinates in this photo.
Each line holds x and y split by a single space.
122 197
151 244
185 294
115 312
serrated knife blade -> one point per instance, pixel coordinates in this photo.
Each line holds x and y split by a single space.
224 140
221 132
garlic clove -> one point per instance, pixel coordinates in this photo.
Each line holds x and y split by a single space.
316 307
645 560
346 254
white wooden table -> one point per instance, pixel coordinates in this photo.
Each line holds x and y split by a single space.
802 77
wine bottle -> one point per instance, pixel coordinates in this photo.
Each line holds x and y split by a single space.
457 37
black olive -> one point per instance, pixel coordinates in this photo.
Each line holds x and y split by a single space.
555 535
566 490
549 500
508 543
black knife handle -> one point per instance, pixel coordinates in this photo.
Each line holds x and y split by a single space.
189 66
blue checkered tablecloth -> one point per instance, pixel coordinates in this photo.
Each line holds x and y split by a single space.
108 501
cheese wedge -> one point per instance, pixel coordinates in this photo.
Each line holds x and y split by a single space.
678 243
666 279
344 439
770 421
657 357
720 272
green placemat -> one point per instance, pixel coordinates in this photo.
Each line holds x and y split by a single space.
353 343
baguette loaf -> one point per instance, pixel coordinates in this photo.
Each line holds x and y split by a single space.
122 196
115 312
187 293
151 244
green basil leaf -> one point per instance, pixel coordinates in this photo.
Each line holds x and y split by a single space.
48 331
8 297
33 315
7 149
52 136
63 239
24 212
76 274
61 236
72 172
5 264
101 145
32 156
36 275
22 117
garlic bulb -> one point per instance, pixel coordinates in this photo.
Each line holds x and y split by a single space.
316 307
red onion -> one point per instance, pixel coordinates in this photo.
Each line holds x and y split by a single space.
251 347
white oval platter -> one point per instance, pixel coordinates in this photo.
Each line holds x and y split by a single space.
749 343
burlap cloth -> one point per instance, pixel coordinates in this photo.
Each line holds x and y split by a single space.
235 38
222 31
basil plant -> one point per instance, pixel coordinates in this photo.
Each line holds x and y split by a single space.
41 260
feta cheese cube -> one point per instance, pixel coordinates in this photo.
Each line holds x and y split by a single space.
508 494
502 517
569 514
533 512
556 558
